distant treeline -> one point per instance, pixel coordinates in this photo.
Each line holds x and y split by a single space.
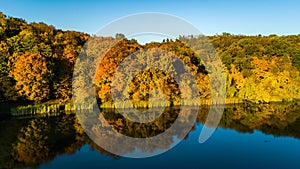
37 62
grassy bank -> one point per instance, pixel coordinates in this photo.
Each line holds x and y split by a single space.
46 109
56 108
38 109
53 108
147 104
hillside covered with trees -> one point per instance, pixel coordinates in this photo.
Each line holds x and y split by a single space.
37 62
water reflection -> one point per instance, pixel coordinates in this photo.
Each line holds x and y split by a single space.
30 142
121 136
275 119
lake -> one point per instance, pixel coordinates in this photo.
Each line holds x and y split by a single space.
248 136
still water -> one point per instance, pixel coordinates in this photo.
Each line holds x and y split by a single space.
256 136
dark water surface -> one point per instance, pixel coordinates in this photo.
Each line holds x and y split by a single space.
256 136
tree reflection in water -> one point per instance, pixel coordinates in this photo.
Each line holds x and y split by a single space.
32 141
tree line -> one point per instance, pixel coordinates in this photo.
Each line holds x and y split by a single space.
37 62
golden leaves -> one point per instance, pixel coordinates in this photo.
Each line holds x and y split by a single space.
32 76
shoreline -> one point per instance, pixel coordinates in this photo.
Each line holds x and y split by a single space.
48 109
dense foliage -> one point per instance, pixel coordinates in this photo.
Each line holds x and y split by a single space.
261 68
37 62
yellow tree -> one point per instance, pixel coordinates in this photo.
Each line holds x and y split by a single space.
33 76
236 81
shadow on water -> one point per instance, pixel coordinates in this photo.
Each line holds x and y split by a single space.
30 141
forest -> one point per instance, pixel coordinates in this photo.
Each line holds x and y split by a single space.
37 62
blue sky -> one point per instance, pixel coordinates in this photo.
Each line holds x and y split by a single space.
209 16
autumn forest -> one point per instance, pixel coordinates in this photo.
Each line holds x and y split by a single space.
37 63
66 99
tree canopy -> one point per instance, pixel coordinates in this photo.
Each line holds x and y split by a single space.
37 62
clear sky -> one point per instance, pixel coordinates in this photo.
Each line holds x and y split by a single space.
209 16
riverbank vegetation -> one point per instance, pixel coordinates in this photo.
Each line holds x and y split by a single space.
37 62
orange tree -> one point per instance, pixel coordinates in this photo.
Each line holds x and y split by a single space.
33 76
